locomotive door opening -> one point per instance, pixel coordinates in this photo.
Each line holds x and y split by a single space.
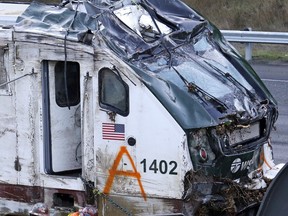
61 117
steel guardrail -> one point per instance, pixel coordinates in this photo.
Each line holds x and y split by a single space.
256 37
249 37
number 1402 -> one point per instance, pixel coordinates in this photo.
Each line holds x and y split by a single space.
163 167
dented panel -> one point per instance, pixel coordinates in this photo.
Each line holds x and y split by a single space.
170 118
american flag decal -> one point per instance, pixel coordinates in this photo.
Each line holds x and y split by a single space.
112 131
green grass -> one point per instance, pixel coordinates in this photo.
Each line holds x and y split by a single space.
260 15
265 52
270 56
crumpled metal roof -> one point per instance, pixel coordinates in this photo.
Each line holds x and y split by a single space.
55 21
180 56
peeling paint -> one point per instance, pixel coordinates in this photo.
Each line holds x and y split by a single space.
3 132
17 164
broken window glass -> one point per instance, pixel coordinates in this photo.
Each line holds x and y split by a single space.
67 95
114 92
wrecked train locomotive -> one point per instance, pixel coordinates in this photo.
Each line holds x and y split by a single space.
142 101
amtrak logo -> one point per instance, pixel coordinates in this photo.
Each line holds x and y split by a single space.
236 165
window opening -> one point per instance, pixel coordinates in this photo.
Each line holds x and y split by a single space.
114 92
73 84
3 72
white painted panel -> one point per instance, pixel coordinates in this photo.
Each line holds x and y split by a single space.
160 144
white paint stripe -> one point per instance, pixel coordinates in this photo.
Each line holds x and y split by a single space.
272 80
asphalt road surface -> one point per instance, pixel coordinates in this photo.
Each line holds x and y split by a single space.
275 76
